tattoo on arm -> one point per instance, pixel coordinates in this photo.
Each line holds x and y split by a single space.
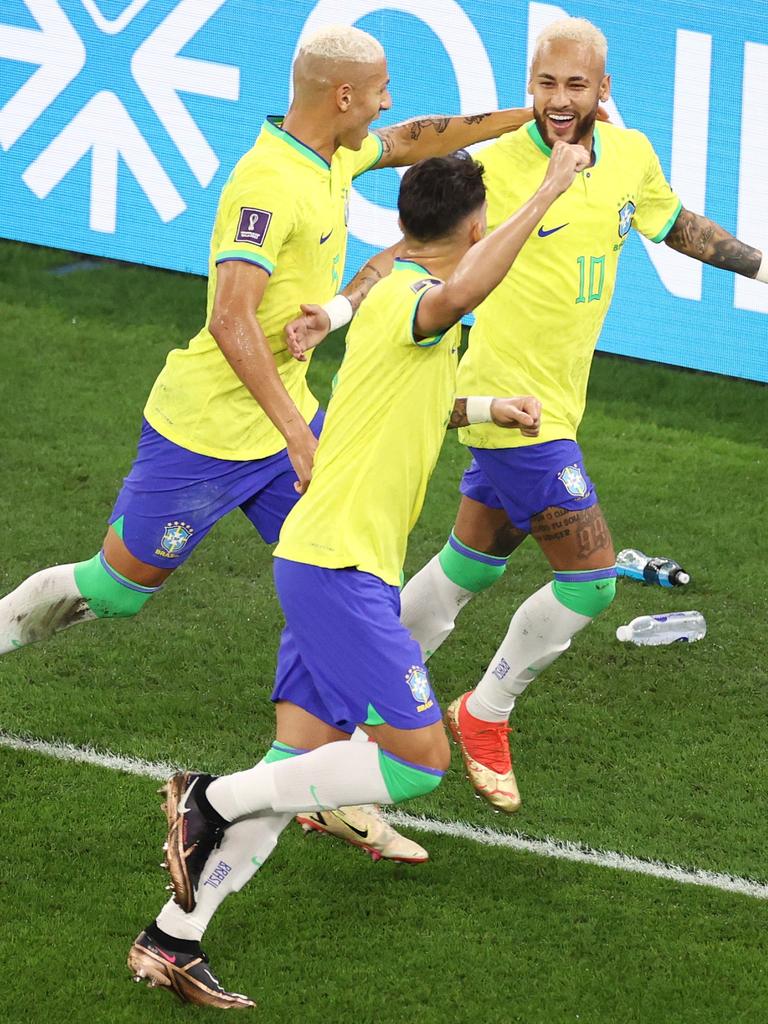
458 417
439 124
361 284
387 142
475 118
699 237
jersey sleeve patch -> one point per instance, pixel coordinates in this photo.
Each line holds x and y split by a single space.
421 288
253 225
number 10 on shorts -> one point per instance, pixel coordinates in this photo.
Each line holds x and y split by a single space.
596 277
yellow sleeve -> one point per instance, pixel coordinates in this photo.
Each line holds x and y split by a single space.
658 205
421 288
368 155
257 220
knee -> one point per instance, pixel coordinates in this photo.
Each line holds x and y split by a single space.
440 756
107 593
586 596
405 780
469 569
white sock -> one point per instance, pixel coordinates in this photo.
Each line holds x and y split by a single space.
42 605
243 850
540 630
429 605
331 776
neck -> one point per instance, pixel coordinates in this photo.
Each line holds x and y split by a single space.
440 258
313 129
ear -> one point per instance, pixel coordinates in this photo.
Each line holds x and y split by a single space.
477 231
400 225
344 97
605 88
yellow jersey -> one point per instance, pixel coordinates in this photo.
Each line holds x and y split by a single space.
382 435
537 332
284 209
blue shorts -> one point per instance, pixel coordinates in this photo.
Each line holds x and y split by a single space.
344 655
172 497
525 481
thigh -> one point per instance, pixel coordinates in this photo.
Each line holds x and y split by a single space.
427 746
486 529
574 541
295 688
299 728
172 498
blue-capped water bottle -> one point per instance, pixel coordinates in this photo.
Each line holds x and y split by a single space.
637 566
673 628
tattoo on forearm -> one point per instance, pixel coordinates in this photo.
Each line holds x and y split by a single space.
387 142
475 118
361 284
439 124
458 417
699 237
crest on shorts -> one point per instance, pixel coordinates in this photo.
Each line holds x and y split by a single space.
573 481
418 682
626 213
174 539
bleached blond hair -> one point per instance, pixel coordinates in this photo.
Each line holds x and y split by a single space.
577 30
342 43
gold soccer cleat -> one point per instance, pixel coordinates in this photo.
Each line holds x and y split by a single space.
364 827
487 757
187 975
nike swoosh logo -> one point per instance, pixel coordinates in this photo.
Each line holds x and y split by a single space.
543 233
166 956
357 831
181 807
324 238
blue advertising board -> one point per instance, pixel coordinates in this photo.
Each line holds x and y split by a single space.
120 121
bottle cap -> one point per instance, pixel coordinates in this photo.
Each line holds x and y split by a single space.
624 633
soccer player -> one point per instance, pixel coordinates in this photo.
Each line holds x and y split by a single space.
345 659
537 332
230 422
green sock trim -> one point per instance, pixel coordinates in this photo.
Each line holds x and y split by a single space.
404 780
374 718
470 569
108 593
586 597
280 752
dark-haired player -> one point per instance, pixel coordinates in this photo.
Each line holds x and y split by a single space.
345 659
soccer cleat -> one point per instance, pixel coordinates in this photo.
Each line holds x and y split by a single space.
191 837
188 975
487 758
364 827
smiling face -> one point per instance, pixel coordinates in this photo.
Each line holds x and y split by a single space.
568 82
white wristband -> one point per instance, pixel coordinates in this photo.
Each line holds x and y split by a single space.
479 409
339 311
762 274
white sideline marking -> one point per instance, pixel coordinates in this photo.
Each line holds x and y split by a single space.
546 847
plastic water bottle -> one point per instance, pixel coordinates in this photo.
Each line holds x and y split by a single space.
638 566
654 630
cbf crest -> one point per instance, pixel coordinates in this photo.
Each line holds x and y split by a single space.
626 213
573 480
418 681
174 539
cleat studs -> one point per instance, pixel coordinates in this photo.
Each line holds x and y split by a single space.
164 865
165 846
170 887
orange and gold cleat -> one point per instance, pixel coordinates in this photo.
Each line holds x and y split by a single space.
485 749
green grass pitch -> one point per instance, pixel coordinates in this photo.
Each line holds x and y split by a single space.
657 753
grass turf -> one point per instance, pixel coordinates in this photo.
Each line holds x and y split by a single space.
657 753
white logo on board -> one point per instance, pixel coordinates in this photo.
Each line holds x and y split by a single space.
103 126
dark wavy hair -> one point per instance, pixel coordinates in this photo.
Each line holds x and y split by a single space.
438 193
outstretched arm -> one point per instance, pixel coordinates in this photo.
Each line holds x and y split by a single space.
410 141
699 237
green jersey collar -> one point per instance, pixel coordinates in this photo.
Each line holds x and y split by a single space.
401 264
274 126
597 144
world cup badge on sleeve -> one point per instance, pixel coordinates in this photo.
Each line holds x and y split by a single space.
418 682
